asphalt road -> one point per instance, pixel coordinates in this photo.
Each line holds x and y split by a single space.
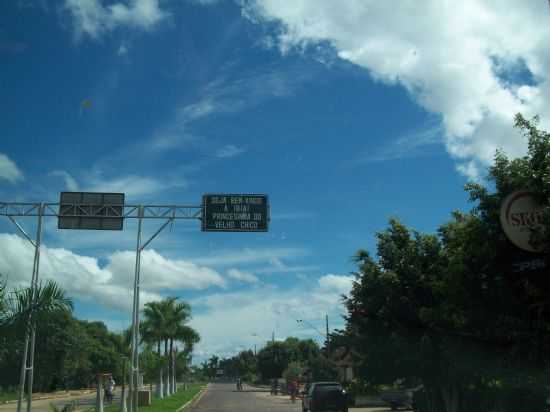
220 397
223 397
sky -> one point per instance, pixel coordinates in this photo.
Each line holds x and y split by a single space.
345 113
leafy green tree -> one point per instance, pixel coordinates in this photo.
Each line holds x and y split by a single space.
183 364
69 352
242 365
274 359
149 362
293 371
205 370
447 310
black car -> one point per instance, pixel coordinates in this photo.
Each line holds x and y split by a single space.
324 396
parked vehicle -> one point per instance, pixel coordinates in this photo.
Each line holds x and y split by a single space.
324 396
400 398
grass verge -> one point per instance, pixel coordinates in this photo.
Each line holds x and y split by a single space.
8 396
168 404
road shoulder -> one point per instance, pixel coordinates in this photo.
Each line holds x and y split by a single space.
194 400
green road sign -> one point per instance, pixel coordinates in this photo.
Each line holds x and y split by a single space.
235 213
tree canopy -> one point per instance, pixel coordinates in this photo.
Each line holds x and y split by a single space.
447 310
69 352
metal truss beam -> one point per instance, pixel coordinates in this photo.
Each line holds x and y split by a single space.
103 211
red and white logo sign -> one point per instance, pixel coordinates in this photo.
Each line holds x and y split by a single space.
520 215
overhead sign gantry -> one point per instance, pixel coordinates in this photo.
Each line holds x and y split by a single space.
107 211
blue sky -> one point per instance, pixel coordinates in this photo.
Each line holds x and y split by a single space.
344 116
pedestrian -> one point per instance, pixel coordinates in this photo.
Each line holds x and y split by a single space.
293 388
110 389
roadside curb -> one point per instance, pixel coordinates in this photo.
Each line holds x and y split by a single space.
61 396
195 399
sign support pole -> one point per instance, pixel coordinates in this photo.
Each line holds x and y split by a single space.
30 333
135 319
34 296
218 212
134 384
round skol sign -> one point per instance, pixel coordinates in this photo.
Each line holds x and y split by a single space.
520 215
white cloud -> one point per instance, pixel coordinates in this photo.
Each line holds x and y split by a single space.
174 137
276 265
457 59
248 255
410 145
132 185
266 309
70 182
293 216
159 273
199 109
229 150
205 2
92 18
242 276
9 170
337 283
227 94
122 50
109 286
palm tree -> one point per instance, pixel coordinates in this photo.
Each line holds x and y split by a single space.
49 300
153 331
184 357
178 314
189 337
35 306
165 321
213 365
3 303
124 348
4 339
2 295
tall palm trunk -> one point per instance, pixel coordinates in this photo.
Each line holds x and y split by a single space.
174 357
171 363
167 386
160 389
